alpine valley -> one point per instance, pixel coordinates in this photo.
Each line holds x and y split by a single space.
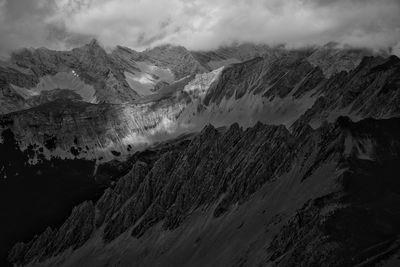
247 155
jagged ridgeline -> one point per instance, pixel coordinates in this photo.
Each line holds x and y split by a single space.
291 159
262 195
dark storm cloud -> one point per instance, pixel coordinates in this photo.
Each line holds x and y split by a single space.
198 24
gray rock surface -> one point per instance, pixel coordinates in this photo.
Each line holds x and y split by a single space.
320 190
221 169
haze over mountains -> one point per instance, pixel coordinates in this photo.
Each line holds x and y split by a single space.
246 155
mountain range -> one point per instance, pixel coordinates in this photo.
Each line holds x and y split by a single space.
248 155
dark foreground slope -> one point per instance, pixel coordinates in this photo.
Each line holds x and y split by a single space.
229 197
34 197
255 197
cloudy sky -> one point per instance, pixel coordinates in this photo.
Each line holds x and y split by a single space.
198 24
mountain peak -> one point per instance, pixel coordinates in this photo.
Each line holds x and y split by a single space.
93 45
91 49
94 42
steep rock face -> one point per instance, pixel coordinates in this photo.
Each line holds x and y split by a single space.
177 183
112 200
294 195
108 204
125 75
235 53
260 75
31 71
141 72
127 57
45 193
70 129
216 176
333 59
278 74
121 76
91 63
370 90
97 76
283 90
359 225
199 86
10 100
73 233
117 77
273 91
177 58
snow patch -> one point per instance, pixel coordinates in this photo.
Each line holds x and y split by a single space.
144 81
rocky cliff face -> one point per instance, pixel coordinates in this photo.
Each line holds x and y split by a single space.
99 78
286 87
370 90
242 194
69 129
63 86
278 88
332 58
89 71
306 192
177 58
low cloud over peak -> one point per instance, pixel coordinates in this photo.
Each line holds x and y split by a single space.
198 24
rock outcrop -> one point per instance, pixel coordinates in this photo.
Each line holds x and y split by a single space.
359 224
90 63
75 129
287 88
219 171
72 234
332 58
279 88
97 76
273 182
370 90
176 58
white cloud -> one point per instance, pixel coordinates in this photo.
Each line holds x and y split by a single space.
396 50
204 24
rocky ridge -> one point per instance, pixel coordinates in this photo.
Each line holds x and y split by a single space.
221 169
90 62
276 89
293 88
90 71
284 89
125 75
68 129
